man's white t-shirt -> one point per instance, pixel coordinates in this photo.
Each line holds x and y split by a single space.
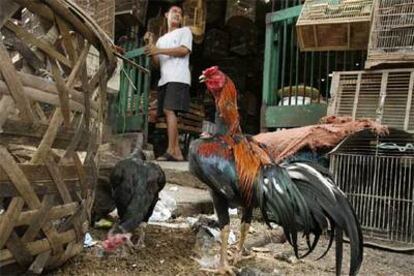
175 69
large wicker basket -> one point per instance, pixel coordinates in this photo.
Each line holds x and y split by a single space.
51 114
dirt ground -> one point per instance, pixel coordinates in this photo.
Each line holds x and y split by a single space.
171 251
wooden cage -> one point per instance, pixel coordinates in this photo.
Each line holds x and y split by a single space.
392 33
195 18
51 121
102 11
334 25
131 12
384 95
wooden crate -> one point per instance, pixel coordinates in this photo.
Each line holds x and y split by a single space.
392 33
50 130
384 95
334 25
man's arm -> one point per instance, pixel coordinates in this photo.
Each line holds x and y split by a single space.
180 51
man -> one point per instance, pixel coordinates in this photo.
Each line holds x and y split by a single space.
171 53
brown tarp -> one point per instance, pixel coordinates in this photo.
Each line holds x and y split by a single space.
329 133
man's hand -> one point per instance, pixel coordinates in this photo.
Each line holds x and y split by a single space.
151 50
149 38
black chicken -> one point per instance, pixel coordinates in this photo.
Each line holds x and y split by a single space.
300 196
135 188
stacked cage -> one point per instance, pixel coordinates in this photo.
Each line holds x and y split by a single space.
326 25
392 33
377 173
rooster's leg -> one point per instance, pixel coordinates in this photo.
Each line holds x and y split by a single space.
242 253
222 210
141 241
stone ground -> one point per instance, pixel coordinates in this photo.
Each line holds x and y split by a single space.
172 250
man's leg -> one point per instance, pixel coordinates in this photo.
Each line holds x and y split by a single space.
172 131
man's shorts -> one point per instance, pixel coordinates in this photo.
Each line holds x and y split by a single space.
173 96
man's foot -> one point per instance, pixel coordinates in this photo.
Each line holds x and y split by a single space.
168 157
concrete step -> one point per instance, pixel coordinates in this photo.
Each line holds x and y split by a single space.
190 201
178 173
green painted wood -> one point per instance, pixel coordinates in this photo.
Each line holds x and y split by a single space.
132 101
294 116
131 123
286 67
282 15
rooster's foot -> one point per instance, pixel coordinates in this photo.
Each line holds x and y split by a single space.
222 270
241 255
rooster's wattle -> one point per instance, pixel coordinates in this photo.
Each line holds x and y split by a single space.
241 172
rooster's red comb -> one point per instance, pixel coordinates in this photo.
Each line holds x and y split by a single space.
211 71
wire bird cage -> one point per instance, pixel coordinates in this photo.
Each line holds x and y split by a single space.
325 25
195 17
384 95
392 33
51 120
130 12
377 174
102 11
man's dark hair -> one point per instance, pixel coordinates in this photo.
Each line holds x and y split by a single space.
178 5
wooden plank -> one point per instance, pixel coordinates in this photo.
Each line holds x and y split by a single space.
57 177
8 8
15 86
63 93
181 127
38 220
18 132
192 116
39 246
40 187
45 86
67 39
49 137
409 102
81 173
382 96
78 65
39 263
6 107
18 250
17 176
9 219
39 95
44 46
55 213
356 97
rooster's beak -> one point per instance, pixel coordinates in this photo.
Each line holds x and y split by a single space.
202 78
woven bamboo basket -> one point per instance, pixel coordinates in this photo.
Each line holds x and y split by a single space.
51 120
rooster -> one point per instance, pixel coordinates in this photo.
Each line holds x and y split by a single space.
135 188
241 172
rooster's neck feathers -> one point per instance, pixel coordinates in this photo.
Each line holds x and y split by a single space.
226 103
248 155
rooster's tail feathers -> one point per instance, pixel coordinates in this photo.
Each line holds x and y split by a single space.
281 202
327 202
